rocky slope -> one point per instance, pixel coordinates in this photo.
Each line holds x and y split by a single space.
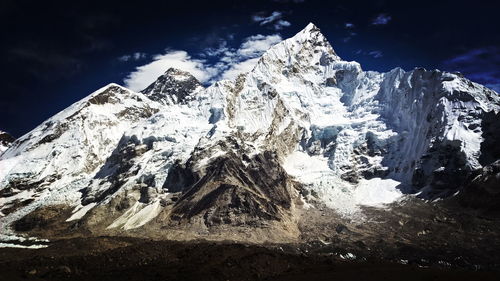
251 159
116 258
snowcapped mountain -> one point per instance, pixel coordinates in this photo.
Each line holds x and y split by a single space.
52 162
243 159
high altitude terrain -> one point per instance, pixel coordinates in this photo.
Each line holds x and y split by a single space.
305 147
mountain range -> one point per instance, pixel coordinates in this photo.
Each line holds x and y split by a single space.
305 147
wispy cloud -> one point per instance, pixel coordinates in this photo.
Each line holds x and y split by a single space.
480 65
257 44
240 67
263 20
224 63
375 53
217 51
348 38
133 57
274 20
381 19
349 26
280 24
246 56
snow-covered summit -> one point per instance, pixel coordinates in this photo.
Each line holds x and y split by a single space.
306 50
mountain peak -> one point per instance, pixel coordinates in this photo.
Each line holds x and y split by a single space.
178 74
307 49
312 34
310 27
174 86
311 31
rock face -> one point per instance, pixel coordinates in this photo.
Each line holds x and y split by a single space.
237 193
483 192
302 129
5 141
175 86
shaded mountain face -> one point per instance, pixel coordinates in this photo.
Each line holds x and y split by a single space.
249 159
5 141
174 86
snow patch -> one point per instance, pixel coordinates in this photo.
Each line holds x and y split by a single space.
80 211
11 245
377 192
137 216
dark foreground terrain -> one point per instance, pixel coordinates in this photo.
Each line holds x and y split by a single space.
112 258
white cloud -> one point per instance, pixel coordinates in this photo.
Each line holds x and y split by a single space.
281 24
247 55
381 19
125 58
348 38
257 44
133 57
238 68
147 74
349 25
376 54
229 62
275 19
262 20
211 52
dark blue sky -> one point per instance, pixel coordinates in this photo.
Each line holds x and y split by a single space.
55 53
